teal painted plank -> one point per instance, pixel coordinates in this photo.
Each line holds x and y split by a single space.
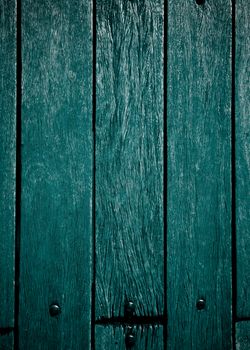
199 181
114 337
7 167
56 233
7 341
129 157
243 335
242 105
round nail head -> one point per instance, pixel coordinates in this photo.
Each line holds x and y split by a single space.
130 340
54 310
129 308
200 304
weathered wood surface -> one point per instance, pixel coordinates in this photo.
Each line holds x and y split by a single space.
242 106
113 337
7 341
129 157
199 183
56 231
7 166
243 335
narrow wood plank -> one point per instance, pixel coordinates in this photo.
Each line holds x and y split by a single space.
129 157
199 181
113 337
243 335
242 93
56 246
7 165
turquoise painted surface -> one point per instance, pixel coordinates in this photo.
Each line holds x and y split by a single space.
243 335
56 221
129 158
242 106
58 180
7 168
147 337
199 174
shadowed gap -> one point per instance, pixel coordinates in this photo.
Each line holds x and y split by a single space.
134 320
18 167
6 330
94 171
233 174
165 165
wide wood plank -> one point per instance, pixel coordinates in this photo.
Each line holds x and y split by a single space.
114 337
199 181
129 157
243 335
242 106
56 232
7 167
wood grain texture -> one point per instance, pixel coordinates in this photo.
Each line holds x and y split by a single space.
113 337
7 163
129 157
7 341
243 335
199 183
56 232
242 106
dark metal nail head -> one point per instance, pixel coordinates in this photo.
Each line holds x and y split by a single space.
130 340
54 310
200 304
129 308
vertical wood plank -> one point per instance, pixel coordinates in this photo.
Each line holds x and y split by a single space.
129 157
56 243
243 335
7 168
199 181
242 108
113 337
7 340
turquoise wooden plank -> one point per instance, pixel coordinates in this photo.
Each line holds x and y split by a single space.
129 157
8 167
56 232
7 341
242 109
243 335
199 181
146 337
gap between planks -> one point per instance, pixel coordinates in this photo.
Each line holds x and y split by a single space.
136 320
